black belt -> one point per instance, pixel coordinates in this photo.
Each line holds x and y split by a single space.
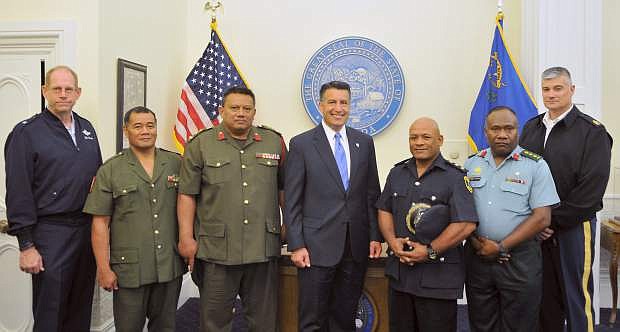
74 218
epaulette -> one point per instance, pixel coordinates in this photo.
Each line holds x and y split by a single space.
113 157
166 150
402 162
457 166
198 133
269 128
531 155
590 119
30 119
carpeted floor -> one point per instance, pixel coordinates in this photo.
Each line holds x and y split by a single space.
188 319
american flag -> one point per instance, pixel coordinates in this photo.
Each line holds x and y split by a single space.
201 95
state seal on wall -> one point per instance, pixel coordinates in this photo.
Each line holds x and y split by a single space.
375 77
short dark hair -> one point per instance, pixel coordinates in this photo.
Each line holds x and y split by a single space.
500 108
137 109
339 85
239 90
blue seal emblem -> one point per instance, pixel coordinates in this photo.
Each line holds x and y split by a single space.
375 77
366 318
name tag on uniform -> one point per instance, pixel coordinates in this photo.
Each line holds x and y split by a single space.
273 156
514 180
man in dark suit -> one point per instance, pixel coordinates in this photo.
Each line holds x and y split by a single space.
330 190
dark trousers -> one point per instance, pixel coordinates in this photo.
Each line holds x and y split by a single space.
504 297
568 280
157 302
256 284
410 313
62 295
328 296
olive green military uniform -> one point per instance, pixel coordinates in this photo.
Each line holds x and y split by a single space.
143 237
236 184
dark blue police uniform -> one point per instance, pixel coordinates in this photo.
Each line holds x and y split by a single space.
48 177
425 294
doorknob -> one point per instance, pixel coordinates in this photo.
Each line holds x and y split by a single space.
4 226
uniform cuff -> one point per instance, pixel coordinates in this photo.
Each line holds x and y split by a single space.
24 237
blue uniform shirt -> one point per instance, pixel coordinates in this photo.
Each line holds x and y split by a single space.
442 183
506 194
46 173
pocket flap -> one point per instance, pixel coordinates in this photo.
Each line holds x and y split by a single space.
215 230
124 256
124 190
267 162
517 188
272 228
216 163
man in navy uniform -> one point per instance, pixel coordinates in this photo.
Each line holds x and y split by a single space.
514 193
426 269
578 151
51 160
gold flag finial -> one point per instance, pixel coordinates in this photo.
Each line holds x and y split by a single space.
212 7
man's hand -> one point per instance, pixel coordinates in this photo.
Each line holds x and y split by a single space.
30 261
375 249
301 258
474 240
187 249
545 234
397 245
107 279
489 248
419 253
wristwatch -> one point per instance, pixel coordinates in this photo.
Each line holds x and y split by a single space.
432 254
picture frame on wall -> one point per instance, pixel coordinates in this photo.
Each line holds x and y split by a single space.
130 92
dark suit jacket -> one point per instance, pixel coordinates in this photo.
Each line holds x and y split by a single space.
317 207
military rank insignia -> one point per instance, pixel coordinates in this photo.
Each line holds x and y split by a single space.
468 185
173 180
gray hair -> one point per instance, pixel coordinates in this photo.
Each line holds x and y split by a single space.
554 72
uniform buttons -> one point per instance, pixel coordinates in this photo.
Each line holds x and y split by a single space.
54 193
154 200
417 183
245 184
490 203
442 259
155 215
241 151
269 163
156 231
246 202
124 191
242 166
159 246
245 221
218 164
152 185
122 258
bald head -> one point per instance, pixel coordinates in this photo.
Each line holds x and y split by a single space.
425 139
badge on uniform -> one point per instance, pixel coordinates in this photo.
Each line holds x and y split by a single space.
468 185
173 180
87 134
515 180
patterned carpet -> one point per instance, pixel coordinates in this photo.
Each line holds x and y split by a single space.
188 319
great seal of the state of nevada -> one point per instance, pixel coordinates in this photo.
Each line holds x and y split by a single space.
375 77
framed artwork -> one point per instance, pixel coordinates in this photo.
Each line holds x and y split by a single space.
130 92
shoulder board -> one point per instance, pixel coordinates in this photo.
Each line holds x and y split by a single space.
113 157
402 162
457 166
590 119
269 128
201 131
173 152
472 155
30 119
531 155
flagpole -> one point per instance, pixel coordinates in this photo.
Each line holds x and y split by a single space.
500 6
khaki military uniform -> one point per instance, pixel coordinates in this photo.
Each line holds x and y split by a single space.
236 184
143 237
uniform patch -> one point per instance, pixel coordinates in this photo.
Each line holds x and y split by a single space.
515 180
173 180
273 156
468 185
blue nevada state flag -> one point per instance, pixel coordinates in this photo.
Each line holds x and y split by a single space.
502 86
